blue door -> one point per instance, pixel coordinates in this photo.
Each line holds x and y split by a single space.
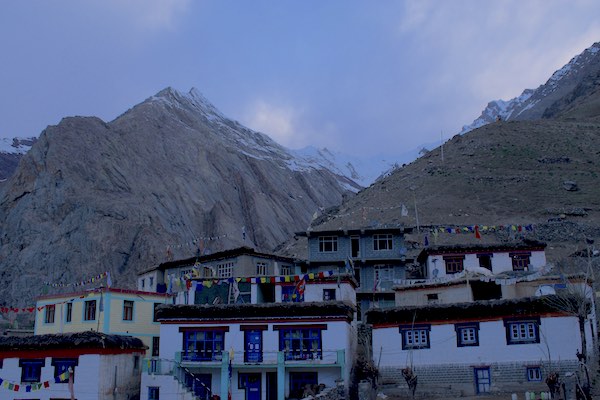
253 352
483 380
251 382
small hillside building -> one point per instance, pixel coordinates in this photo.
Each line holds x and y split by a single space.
82 365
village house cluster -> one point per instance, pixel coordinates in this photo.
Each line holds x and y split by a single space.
241 324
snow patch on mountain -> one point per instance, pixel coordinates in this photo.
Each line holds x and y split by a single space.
16 145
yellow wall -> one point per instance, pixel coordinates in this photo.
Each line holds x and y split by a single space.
110 320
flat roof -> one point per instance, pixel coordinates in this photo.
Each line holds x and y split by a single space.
102 289
207 312
75 340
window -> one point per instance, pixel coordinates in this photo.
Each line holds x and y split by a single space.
151 282
204 345
432 296
143 283
454 264
285 270
292 294
127 310
328 294
62 365
89 310
522 331
50 312
31 369
485 261
136 362
467 334
520 261
69 315
534 374
261 268
301 343
382 242
299 380
154 319
328 244
225 270
153 392
155 346
383 277
415 337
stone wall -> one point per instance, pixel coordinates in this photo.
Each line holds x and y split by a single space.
459 379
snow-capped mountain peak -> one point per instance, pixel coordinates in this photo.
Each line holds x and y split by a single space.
532 103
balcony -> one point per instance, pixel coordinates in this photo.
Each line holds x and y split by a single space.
271 359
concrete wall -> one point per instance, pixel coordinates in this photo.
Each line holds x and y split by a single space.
455 380
446 295
344 251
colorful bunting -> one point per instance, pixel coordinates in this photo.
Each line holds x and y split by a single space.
15 387
81 283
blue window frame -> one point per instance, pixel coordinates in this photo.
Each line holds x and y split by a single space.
153 393
522 331
534 374
31 369
203 345
301 343
291 294
415 336
467 334
62 365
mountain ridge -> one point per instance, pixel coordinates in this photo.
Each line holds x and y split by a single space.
169 173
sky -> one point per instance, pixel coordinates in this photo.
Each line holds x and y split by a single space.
357 77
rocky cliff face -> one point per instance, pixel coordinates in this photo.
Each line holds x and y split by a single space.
171 172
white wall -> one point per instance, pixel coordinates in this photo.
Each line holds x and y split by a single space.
86 385
339 335
501 262
559 334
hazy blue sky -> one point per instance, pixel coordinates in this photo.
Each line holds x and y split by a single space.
354 76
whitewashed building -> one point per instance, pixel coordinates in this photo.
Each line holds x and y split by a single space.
251 351
464 273
478 347
88 365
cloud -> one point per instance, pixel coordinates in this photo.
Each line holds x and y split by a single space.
276 121
151 14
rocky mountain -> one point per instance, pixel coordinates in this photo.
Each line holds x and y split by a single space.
533 104
11 151
530 178
170 177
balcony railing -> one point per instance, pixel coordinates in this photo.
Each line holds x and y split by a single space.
160 366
